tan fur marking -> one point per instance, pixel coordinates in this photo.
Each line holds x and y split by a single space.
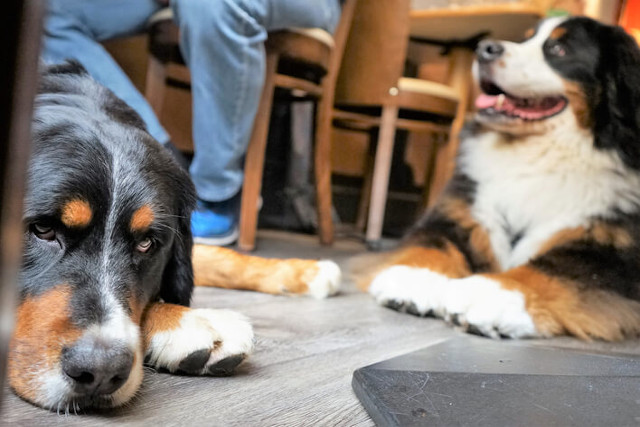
557 306
449 262
225 268
561 238
604 234
557 33
76 214
529 33
137 309
160 317
578 102
142 219
43 328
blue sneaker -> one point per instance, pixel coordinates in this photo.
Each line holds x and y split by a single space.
215 223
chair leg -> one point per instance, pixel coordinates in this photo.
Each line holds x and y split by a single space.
381 169
155 84
460 79
434 143
322 167
254 160
365 198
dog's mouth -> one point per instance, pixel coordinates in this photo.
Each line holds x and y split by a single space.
496 102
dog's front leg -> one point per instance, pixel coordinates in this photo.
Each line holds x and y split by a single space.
226 268
195 341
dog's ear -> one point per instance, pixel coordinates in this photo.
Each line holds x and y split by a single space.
617 113
177 280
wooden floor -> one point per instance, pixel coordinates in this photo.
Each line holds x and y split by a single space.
300 373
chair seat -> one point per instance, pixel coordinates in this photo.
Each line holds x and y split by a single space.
315 33
426 96
165 14
305 45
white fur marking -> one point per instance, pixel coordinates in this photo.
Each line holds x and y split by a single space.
327 280
225 332
477 301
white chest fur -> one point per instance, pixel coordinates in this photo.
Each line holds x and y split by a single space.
529 189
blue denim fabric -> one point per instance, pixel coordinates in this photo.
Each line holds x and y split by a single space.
223 44
73 30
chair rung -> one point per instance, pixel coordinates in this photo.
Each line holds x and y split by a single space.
292 83
350 119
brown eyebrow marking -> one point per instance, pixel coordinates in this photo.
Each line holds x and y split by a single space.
141 219
529 33
76 213
557 33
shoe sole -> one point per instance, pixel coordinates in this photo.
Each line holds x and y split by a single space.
217 241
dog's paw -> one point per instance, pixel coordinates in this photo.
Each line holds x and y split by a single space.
326 281
481 306
476 304
417 291
207 342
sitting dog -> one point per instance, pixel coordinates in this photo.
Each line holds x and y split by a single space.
538 232
107 270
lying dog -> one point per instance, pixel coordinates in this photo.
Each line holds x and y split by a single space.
538 232
107 272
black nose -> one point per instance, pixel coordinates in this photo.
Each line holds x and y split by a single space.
489 50
95 367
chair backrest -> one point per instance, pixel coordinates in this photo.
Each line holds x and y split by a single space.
375 52
340 36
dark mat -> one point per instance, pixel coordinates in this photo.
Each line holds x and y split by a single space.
475 381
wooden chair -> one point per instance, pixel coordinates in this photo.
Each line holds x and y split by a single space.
373 96
303 61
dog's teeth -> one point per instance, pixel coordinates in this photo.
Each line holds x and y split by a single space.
500 101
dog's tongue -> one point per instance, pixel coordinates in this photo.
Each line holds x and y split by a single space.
485 101
523 108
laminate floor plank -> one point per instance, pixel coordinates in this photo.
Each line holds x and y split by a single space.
300 373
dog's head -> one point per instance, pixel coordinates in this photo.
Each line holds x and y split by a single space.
106 223
567 72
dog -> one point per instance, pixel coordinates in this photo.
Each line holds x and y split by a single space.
109 263
537 234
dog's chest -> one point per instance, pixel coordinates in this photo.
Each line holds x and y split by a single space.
526 192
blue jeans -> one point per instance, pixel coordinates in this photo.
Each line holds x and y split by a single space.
223 44
73 30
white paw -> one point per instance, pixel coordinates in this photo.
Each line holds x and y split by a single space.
416 290
326 282
207 342
476 303
482 305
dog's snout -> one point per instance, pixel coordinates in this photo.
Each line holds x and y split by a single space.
96 368
489 50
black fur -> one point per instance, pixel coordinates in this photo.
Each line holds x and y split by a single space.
89 145
605 60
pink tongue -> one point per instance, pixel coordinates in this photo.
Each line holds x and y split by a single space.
485 101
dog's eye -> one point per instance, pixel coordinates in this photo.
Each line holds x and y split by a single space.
144 245
43 231
556 49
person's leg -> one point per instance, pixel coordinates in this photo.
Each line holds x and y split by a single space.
72 30
302 13
223 44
